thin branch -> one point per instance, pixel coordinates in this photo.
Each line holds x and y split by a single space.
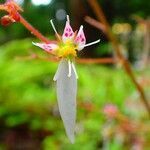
35 56
101 17
96 60
95 23
78 60
34 31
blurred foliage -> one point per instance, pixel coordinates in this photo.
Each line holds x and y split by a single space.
28 106
118 10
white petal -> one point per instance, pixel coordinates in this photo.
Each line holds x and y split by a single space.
57 72
66 95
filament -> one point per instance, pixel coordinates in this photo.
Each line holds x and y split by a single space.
92 43
74 69
53 26
69 67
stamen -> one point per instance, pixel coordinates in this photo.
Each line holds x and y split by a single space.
53 26
92 43
69 66
68 19
74 69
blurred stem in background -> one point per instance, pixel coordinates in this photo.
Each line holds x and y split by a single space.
101 17
146 48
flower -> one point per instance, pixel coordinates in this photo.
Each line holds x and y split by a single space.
66 48
111 111
67 45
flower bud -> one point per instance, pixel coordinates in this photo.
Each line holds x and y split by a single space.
5 21
15 16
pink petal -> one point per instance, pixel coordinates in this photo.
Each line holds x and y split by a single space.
47 47
68 32
80 39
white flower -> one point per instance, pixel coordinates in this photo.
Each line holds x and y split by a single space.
66 76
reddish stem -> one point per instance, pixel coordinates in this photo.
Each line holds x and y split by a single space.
34 31
95 23
96 60
79 60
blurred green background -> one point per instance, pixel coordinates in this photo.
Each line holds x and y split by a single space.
29 116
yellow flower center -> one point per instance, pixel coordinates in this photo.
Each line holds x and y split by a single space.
67 49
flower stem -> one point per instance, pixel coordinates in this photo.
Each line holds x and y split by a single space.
96 60
33 31
78 60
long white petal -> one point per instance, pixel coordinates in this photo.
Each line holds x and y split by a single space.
66 95
57 72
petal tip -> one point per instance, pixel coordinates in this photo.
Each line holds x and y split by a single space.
54 79
72 139
33 43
